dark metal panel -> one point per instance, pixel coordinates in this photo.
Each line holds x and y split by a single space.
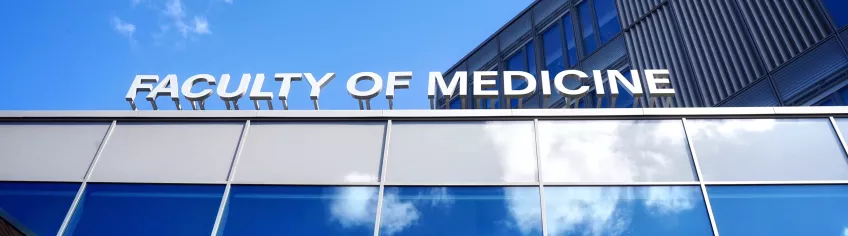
630 11
515 31
606 56
718 47
654 43
783 29
760 94
543 11
813 68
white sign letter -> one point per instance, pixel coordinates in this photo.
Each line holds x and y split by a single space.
655 78
140 84
481 84
368 94
202 95
287 78
509 92
566 92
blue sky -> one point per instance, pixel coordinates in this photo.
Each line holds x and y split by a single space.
83 55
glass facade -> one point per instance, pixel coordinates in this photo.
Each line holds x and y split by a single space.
719 53
739 174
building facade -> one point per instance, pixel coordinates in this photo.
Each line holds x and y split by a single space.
630 171
722 53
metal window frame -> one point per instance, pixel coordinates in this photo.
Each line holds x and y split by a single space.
116 117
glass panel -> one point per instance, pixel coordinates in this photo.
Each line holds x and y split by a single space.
836 9
517 63
462 152
767 149
828 102
656 210
780 210
298 153
552 45
844 94
532 102
614 151
461 211
48 151
169 153
624 99
300 210
147 209
607 19
589 42
570 43
36 208
456 103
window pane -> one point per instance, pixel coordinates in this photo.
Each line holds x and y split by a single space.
461 152
570 44
828 102
614 151
589 43
151 152
552 46
456 103
836 9
844 94
767 149
656 210
48 151
531 58
298 153
607 19
517 63
147 209
461 211
300 210
780 210
36 208
624 99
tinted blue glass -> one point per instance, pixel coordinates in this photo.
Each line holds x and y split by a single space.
517 63
624 99
844 94
300 210
570 43
836 8
456 103
147 209
531 58
36 208
661 210
461 211
552 46
607 19
828 102
780 210
589 43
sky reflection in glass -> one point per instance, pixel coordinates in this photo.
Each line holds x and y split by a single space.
780 210
147 209
37 208
300 210
656 210
445 211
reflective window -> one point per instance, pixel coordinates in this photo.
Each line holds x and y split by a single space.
456 103
517 63
607 19
614 151
461 152
552 46
844 94
147 209
655 210
300 210
36 208
827 102
298 152
836 9
151 152
570 43
48 151
531 68
767 149
461 211
780 210
589 42
625 97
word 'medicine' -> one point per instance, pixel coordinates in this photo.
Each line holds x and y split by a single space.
484 85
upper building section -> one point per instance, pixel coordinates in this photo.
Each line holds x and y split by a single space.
718 53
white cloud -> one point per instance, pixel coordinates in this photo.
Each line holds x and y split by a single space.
124 28
845 231
354 206
200 25
135 2
397 214
228 1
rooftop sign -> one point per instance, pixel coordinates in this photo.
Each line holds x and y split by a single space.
483 85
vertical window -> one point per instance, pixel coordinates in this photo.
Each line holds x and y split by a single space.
608 25
570 43
552 49
836 8
521 61
843 93
588 29
489 103
624 99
